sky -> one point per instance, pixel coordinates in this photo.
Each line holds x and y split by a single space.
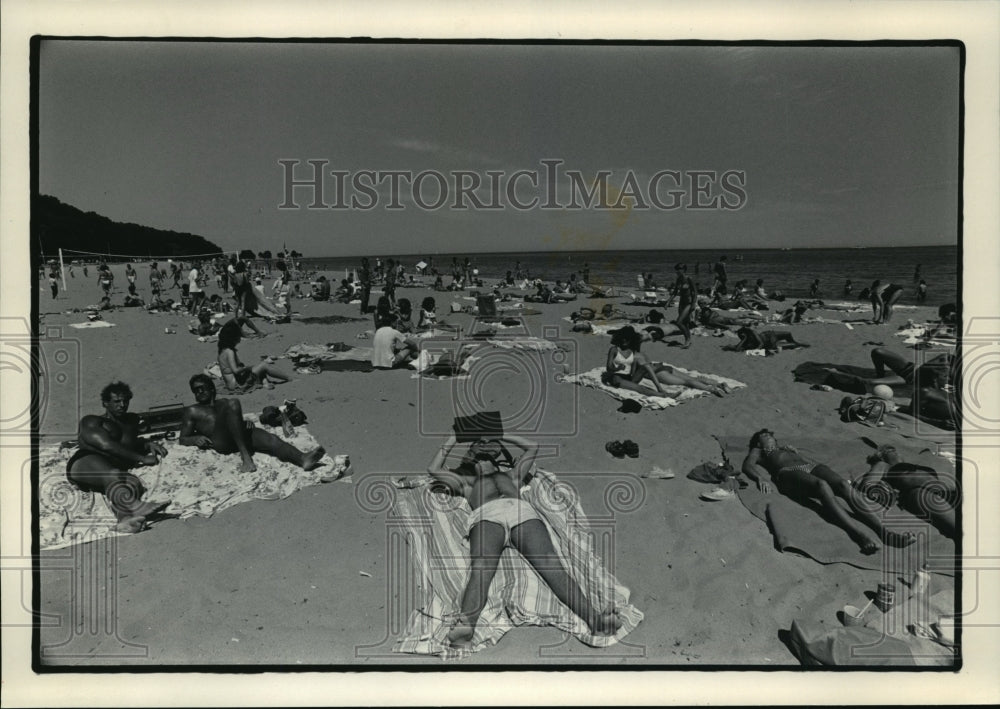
829 146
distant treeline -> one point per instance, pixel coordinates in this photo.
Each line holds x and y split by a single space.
55 226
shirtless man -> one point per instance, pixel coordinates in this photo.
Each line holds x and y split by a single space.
109 447
218 424
489 478
767 463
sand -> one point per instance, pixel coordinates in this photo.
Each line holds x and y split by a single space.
312 579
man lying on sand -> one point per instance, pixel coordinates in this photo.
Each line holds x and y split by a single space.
922 490
767 340
218 424
490 478
109 447
933 381
767 463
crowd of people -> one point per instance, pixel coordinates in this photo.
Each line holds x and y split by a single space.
489 475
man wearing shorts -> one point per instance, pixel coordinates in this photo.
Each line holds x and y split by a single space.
109 447
218 424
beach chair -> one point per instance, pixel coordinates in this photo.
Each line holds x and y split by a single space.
488 315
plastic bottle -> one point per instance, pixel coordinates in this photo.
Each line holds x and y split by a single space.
921 581
286 425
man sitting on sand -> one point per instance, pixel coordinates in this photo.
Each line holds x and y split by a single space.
218 424
109 447
767 463
390 349
489 478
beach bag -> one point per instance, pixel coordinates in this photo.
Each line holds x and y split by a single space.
867 410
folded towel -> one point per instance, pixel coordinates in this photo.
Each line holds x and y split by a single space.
436 527
92 324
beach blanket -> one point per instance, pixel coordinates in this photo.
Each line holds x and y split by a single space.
531 344
196 482
92 324
802 528
675 395
436 526
429 364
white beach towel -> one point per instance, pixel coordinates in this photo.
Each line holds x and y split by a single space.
87 325
675 395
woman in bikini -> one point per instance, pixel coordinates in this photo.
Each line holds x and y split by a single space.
768 463
237 376
685 291
627 367
489 477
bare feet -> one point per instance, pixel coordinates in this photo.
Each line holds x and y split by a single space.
131 525
311 459
460 636
248 466
898 540
606 624
147 509
868 545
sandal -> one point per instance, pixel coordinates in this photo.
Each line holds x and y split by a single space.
615 448
631 448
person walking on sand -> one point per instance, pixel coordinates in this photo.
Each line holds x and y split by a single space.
685 291
218 424
110 447
489 477
771 465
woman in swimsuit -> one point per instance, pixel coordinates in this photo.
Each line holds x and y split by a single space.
769 340
489 477
684 288
236 375
767 463
922 490
627 367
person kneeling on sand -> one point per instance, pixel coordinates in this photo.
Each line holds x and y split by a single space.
767 464
109 447
218 424
489 478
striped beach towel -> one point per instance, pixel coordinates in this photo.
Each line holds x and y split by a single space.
436 526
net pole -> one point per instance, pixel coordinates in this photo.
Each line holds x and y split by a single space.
62 269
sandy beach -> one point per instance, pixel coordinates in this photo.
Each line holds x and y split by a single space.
316 579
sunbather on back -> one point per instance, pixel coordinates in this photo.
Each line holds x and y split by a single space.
489 478
768 463
218 424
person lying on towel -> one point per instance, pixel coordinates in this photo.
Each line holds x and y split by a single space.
109 447
922 490
218 424
768 463
489 477
933 382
